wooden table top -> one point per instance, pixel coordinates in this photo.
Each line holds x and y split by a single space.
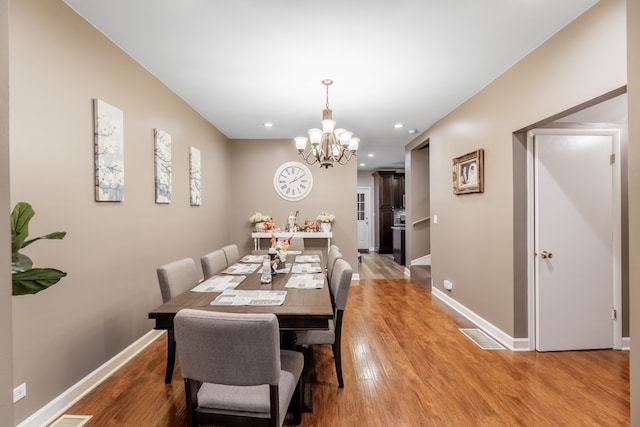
302 308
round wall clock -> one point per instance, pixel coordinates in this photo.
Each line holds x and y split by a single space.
293 181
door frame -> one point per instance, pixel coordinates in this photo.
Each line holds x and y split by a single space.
367 212
617 226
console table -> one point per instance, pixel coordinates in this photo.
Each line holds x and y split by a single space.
285 235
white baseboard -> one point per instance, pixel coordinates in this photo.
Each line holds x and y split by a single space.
424 260
54 409
513 344
407 272
626 343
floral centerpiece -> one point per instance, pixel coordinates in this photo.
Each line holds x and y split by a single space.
259 221
280 257
325 219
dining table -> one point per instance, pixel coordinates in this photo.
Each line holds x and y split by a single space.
298 294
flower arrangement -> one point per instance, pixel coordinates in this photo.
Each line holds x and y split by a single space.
326 217
258 217
280 247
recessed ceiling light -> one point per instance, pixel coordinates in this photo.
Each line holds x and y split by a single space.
267 124
413 131
398 125
370 155
361 164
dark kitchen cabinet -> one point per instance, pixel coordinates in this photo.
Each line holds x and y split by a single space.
389 188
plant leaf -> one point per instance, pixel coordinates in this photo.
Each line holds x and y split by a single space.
59 235
35 280
20 263
20 217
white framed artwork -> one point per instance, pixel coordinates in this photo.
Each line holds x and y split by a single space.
162 164
194 177
109 152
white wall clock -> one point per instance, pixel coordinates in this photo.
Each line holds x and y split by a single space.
293 181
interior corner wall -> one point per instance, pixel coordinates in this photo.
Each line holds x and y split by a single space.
6 350
472 243
58 64
633 88
254 163
417 190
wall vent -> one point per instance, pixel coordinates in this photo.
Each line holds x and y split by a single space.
71 421
483 340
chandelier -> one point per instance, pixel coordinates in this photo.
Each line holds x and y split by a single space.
328 145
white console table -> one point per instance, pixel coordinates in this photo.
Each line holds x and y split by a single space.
285 235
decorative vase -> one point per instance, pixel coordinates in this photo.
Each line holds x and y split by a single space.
325 227
260 226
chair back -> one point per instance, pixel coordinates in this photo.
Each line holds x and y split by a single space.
297 244
340 283
177 277
232 253
213 262
228 348
332 256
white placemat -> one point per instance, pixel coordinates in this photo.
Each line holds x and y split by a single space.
239 297
240 268
308 258
306 268
218 283
305 281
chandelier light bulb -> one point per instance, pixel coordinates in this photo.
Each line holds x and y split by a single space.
328 125
315 136
353 144
345 138
301 143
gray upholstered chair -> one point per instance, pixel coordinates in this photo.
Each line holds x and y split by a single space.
213 262
234 370
340 284
175 278
232 253
297 244
332 256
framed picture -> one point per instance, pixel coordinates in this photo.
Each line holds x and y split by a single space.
195 183
109 152
162 163
468 173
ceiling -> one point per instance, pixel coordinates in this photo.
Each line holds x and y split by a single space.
246 62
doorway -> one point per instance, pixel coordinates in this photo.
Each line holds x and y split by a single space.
363 212
575 238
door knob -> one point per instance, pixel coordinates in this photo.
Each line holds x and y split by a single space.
546 254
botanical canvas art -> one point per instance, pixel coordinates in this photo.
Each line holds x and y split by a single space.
162 161
194 177
109 152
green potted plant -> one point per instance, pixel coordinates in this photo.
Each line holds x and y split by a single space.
26 279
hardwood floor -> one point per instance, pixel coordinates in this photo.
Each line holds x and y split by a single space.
405 364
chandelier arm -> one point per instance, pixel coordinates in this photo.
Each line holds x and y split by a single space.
307 155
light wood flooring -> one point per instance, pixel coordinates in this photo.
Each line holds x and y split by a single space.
405 364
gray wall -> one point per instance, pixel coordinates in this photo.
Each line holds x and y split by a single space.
584 60
6 349
253 164
633 72
417 190
58 64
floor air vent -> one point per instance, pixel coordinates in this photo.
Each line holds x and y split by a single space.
483 340
71 421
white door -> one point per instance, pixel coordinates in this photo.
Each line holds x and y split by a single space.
574 224
362 211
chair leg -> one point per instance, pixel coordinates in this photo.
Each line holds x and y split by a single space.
171 356
338 360
296 403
